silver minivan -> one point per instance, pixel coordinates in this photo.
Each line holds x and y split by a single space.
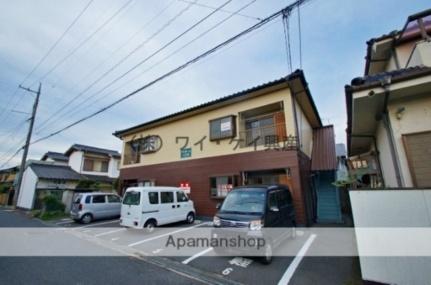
87 207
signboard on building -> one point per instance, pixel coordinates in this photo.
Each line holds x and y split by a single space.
185 187
186 152
226 126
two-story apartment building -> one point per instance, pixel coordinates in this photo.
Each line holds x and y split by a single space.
262 135
389 109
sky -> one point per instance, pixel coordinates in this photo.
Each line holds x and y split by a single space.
83 72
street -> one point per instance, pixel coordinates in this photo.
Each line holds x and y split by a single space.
137 268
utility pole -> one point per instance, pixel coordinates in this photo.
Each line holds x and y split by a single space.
27 142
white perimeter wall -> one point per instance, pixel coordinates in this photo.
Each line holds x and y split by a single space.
27 190
392 208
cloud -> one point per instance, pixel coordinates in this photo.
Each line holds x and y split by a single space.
333 41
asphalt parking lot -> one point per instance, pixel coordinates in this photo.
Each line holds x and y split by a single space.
296 269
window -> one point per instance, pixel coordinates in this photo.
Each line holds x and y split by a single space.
88 164
153 197
104 166
95 164
222 185
114 199
167 197
181 197
77 199
222 128
132 198
247 201
98 199
87 199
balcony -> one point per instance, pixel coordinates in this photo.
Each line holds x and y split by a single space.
271 136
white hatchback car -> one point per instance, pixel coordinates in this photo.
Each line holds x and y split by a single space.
148 207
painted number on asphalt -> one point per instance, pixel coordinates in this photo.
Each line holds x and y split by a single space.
241 262
227 271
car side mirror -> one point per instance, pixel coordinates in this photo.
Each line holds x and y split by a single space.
274 209
218 206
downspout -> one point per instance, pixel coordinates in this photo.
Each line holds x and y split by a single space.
385 83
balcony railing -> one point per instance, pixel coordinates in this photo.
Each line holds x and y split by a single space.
270 136
131 159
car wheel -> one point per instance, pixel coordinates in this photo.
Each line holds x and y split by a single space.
86 219
267 258
190 218
150 226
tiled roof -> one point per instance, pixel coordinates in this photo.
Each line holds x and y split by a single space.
296 74
52 171
86 148
55 156
384 37
396 75
323 156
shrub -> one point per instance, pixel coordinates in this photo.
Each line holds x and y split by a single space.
52 204
4 188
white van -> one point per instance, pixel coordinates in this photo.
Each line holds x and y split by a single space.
148 207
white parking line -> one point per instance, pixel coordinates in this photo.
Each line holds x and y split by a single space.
110 232
285 279
97 224
163 235
197 255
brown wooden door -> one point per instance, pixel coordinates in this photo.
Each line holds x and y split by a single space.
418 150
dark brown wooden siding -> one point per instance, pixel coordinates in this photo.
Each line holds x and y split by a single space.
418 150
198 172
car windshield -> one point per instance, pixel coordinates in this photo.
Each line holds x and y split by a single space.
244 201
132 198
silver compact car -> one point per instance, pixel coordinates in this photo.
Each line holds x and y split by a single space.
87 207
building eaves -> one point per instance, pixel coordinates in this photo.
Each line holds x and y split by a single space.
365 82
233 97
92 149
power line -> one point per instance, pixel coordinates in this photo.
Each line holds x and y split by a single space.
11 157
286 29
153 54
233 13
49 52
160 61
83 42
111 54
179 68
142 44
300 37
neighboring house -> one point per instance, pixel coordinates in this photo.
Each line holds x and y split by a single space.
56 157
389 148
62 175
43 178
389 109
7 181
262 135
95 163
